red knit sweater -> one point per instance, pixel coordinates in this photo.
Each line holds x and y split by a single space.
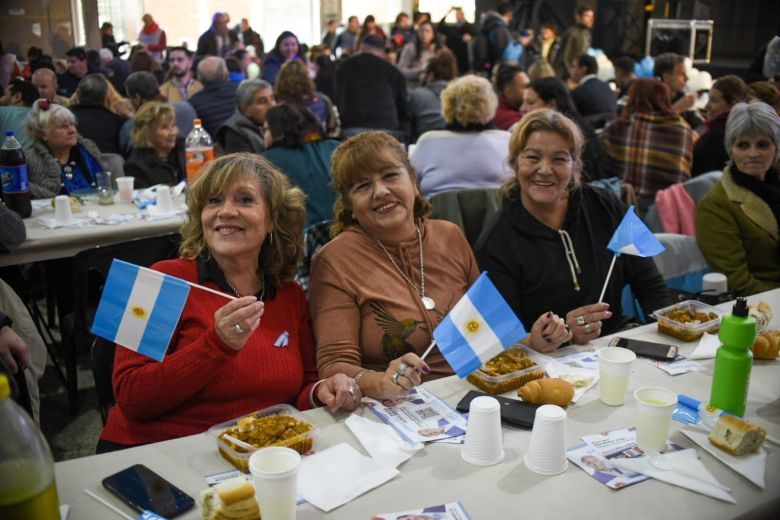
202 381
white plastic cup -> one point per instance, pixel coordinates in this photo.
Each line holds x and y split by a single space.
125 187
654 406
614 373
547 449
714 283
63 214
483 445
164 201
275 473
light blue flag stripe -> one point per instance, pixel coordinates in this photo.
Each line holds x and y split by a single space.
633 232
116 291
455 348
164 317
495 311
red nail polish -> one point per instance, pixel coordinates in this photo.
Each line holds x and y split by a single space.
549 314
426 369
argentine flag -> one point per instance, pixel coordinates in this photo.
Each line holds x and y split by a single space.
478 328
139 308
633 237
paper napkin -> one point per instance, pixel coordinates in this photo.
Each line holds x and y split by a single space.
752 466
333 477
686 470
381 441
708 345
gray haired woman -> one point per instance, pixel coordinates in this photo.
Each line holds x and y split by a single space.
737 221
243 131
59 160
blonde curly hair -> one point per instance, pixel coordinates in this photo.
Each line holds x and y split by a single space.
149 117
469 101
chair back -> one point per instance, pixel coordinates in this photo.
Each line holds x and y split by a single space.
697 188
101 358
682 265
471 210
314 237
115 164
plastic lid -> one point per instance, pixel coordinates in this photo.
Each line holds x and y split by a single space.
740 308
5 388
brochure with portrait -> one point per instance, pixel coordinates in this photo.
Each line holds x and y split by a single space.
451 511
419 416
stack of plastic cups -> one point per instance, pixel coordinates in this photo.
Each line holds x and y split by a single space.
547 450
483 445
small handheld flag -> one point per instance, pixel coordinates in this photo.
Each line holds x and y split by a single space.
479 327
632 237
139 308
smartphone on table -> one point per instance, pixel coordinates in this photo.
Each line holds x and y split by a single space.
513 411
143 489
647 349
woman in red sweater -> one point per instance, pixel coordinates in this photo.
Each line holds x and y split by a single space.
228 358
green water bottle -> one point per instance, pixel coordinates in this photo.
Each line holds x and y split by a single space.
734 360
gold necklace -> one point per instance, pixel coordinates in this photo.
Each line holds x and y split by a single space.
427 301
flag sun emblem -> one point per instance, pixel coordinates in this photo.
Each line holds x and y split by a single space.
472 326
138 311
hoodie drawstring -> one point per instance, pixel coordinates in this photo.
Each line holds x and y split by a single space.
571 257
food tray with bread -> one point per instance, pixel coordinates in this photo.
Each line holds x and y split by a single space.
507 371
688 320
280 425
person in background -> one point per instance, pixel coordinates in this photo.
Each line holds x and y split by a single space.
575 41
767 92
15 107
329 35
181 84
624 76
235 73
243 236
325 78
249 36
457 37
94 121
511 81
416 54
670 68
243 131
346 41
45 80
117 71
107 40
548 42
9 67
297 146
592 97
567 225
59 159
388 277
401 33
648 146
142 60
152 38
77 68
424 101
217 40
287 48
216 102
158 151
540 69
33 54
370 27
294 85
470 153
709 152
737 220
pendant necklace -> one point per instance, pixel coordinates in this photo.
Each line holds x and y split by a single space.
427 301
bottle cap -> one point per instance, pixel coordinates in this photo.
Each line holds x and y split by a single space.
5 388
9 133
740 308
196 122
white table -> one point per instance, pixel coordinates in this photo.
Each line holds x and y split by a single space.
48 244
507 490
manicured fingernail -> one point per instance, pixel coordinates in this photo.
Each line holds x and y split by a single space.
426 369
606 306
609 314
549 314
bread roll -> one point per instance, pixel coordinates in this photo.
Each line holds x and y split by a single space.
767 345
735 436
547 391
763 314
232 499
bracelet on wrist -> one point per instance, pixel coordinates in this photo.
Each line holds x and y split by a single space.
312 396
360 375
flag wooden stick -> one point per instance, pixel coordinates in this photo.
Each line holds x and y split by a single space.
428 350
606 282
191 284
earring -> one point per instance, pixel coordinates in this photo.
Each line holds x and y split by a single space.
271 238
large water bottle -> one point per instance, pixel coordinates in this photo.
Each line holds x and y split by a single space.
734 360
199 149
13 171
27 487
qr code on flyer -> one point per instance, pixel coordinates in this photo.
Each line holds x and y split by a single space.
426 413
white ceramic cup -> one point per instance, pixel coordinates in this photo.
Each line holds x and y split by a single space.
63 214
164 200
614 373
714 283
275 473
654 414
546 453
483 445
125 187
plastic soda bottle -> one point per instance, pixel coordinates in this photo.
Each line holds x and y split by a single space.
199 149
13 171
27 486
734 360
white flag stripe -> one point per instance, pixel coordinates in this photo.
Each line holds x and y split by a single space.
630 249
143 296
484 341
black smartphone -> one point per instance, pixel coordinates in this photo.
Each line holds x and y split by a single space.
513 411
143 489
646 349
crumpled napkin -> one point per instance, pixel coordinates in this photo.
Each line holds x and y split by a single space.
752 466
333 477
686 470
381 441
707 347
155 212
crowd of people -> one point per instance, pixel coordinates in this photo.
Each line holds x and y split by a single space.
307 135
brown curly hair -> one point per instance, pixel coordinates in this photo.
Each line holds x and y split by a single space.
367 152
280 256
294 84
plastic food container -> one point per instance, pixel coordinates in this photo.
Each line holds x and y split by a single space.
498 384
239 456
688 331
